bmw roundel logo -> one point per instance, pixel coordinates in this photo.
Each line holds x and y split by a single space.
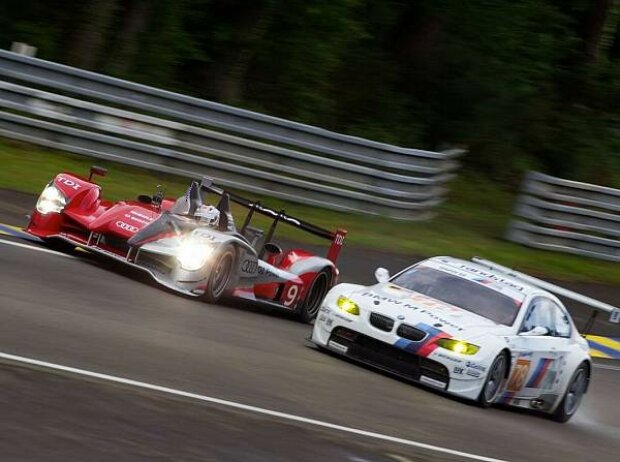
400 317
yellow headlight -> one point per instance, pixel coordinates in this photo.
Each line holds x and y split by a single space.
348 305
458 346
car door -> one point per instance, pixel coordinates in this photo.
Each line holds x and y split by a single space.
539 357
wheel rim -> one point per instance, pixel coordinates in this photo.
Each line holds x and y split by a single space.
575 392
221 274
317 291
496 377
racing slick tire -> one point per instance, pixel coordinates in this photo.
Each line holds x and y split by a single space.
494 380
309 307
220 275
573 395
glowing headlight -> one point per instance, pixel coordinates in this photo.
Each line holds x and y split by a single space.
51 200
193 255
348 305
458 346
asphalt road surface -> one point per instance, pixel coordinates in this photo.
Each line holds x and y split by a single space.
91 315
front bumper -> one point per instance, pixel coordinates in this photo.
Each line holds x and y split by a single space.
354 337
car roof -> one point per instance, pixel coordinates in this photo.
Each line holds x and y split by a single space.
475 271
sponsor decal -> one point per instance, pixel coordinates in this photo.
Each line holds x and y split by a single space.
519 374
249 266
448 357
127 227
432 382
138 217
266 271
420 309
337 346
478 367
473 373
458 370
344 318
67 182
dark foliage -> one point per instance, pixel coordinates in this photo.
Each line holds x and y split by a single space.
521 83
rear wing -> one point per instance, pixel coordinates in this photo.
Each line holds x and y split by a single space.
614 312
336 237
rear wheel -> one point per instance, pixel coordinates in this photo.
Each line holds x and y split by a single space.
494 381
573 396
219 277
310 306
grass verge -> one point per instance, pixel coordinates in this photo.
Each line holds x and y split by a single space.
472 222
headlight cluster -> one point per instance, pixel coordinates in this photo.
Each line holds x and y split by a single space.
193 254
348 305
458 346
51 200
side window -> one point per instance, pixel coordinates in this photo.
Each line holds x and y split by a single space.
540 314
562 323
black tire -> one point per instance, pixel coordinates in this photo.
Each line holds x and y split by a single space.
573 396
493 384
309 307
59 245
220 274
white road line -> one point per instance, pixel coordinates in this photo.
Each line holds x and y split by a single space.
34 247
609 367
245 407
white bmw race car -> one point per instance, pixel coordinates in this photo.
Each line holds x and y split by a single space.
475 329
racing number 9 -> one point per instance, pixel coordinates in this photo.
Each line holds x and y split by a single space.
291 295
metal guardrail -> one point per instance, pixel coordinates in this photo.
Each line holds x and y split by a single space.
100 116
567 216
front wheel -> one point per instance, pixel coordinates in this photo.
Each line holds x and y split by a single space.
219 276
309 307
572 398
494 381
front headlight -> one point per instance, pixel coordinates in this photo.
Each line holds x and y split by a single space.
458 346
51 200
348 305
192 255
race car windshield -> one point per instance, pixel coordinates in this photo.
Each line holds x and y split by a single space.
460 292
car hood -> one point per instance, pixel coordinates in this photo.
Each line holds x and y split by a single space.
124 220
414 308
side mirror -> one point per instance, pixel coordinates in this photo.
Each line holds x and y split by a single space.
537 331
382 275
94 170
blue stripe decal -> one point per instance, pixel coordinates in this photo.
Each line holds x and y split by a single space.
604 349
413 347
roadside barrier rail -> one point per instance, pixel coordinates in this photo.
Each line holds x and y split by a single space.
567 216
91 114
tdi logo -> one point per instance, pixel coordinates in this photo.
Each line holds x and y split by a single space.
127 227
69 183
249 266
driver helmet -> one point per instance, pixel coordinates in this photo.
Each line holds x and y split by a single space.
208 214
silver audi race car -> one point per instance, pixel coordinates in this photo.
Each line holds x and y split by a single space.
476 330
